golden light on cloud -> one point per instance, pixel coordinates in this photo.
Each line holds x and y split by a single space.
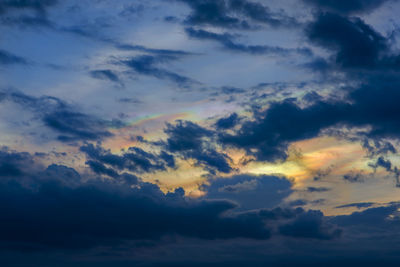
307 158
187 175
150 126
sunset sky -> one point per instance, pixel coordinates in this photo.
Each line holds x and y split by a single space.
199 133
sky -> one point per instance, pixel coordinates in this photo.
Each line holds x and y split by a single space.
199 132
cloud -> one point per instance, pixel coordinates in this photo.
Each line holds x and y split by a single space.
40 212
378 147
76 126
19 13
377 218
381 162
354 177
130 100
154 51
234 14
36 5
190 140
27 169
356 205
310 225
211 160
147 65
228 122
134 160
317 189
82 223
185 135
388 166
227 42
12 163
32 220
7 58
268 135
347 7
250 191
61 117
104 75
356 44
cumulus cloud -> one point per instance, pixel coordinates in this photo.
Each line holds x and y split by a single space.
54 208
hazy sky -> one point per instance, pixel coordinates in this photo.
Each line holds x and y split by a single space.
199 132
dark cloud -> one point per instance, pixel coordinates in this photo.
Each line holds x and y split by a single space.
99 168
268 135
381 162
134 159
347 7
26 169
354 177
27 21
104 75
356 44
228 90
148 65
34 219
58 217
190 140
168 159
130 100
250 191
26 13
228 122
378 147
310 225
36 5
76 126
171 19
356 205
317 189
185 135
373 218
12 163
62 118
154 51
227 41
212 13
298 203
318 64
234 14
386 164
7 58
55 209
132 9
211 160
